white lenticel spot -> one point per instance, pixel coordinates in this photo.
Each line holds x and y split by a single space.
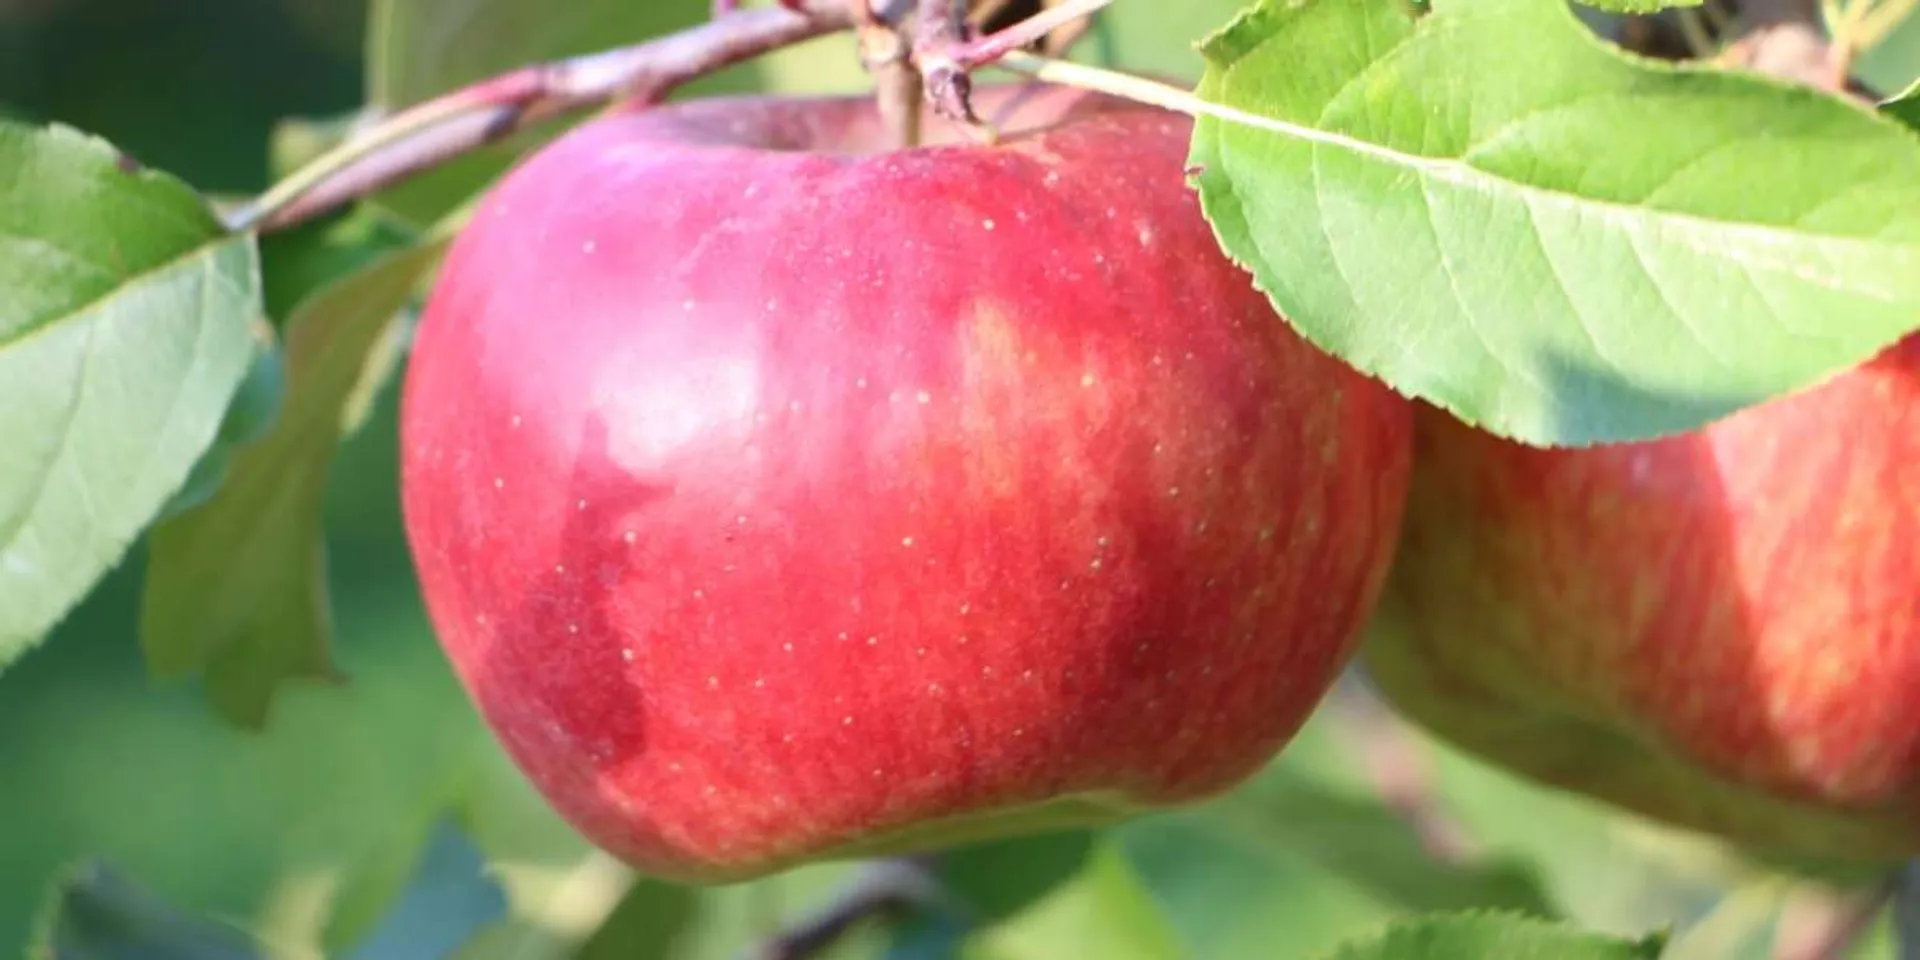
499 483
906 541
1086 380
846 721
923 397
589 246
626 653
629 536
873 641
788 647
514 421
573 628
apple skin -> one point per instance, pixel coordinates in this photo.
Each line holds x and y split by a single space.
778 498
1720 630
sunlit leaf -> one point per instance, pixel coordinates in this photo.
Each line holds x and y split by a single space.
1492 210
127 320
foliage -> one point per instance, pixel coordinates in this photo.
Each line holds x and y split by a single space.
1482 203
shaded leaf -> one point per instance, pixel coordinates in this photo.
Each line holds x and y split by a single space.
126 324
1475 936
1905 106
98 913
646 925
450 897
1105 912
996 879
299 261
236 588
1454 204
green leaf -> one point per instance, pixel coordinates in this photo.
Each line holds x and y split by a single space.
999 878
1309 853
645 925
237 588
126 318
1638 6
1105 912
1475 936
451 896
1157 39
1904 106
98 913
1492 210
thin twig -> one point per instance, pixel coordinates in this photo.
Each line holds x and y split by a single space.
940 30
978 53
1698 35
1828 926
946 54
423 136
882 887
1400 768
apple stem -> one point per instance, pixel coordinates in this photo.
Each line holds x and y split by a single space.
430 133
882 887
887 54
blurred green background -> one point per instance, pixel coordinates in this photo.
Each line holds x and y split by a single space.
307 834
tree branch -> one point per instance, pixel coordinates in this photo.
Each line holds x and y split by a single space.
428 134
946 54
978 53
940 29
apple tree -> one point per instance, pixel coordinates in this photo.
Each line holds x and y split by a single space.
917 478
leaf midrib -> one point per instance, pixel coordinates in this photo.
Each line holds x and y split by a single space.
1459 172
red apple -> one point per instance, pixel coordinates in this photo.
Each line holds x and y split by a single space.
1719 629
780 497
